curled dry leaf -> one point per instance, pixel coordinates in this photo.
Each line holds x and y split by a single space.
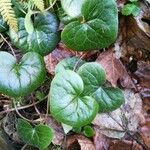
80 142
115 70
58 131
60 53
126 118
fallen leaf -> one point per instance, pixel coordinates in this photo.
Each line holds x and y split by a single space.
125 145
79 142
58 131
60 53
143 73
9 126
127 118
101 142
145 133
114 69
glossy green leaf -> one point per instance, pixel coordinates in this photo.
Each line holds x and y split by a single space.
108 98
40 136
19 79
93 76
98 28
67 104
71 63
3 25
44 38
72 7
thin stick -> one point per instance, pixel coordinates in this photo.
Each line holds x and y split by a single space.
22 107
12 50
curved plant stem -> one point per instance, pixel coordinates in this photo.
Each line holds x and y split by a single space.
20 115
36 109
51 6
78 61
23 148
12 50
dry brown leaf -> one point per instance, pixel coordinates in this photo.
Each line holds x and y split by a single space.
58 131
114 69
145 133
60 53
143 73
79 141
134 35
125 145
101 142
116 123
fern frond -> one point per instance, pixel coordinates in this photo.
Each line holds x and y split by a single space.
38 3
8 13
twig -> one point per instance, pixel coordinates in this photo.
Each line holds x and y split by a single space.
12 50
22 107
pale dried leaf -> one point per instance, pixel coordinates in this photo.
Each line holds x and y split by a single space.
58 131
127 118
101 142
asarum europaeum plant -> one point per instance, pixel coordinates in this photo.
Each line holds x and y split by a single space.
20 79
39 136
77 96
94 24
40 36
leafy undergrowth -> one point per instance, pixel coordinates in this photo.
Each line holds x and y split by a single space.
71 78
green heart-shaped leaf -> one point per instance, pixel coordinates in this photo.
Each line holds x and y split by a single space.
3 25
67 104
40 136
44 37
71 63
98 28
19 79
108 98
94 76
